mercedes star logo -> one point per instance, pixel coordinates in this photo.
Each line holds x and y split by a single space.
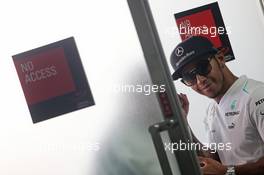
179 51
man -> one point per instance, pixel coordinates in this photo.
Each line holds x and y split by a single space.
236 115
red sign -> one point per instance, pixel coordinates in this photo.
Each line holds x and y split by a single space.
201 23
205 21
44 75
53 80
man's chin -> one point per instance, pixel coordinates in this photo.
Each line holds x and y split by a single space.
210 94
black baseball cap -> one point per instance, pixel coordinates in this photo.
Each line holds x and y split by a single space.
190 50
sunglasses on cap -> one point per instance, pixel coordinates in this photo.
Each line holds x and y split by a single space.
202 68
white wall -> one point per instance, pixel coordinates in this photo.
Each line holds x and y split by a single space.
111 55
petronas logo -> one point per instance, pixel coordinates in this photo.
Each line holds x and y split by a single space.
233 104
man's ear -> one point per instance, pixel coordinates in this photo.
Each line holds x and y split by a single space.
220 56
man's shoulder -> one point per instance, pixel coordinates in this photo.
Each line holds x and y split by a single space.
254 90
252 87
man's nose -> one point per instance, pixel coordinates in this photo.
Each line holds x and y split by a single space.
200 79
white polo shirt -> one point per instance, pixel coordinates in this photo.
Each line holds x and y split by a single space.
238 121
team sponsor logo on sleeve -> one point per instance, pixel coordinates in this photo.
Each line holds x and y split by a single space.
259 102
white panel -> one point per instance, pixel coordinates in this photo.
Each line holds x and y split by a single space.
111 56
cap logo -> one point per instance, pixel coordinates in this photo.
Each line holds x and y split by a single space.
179 51
185 57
